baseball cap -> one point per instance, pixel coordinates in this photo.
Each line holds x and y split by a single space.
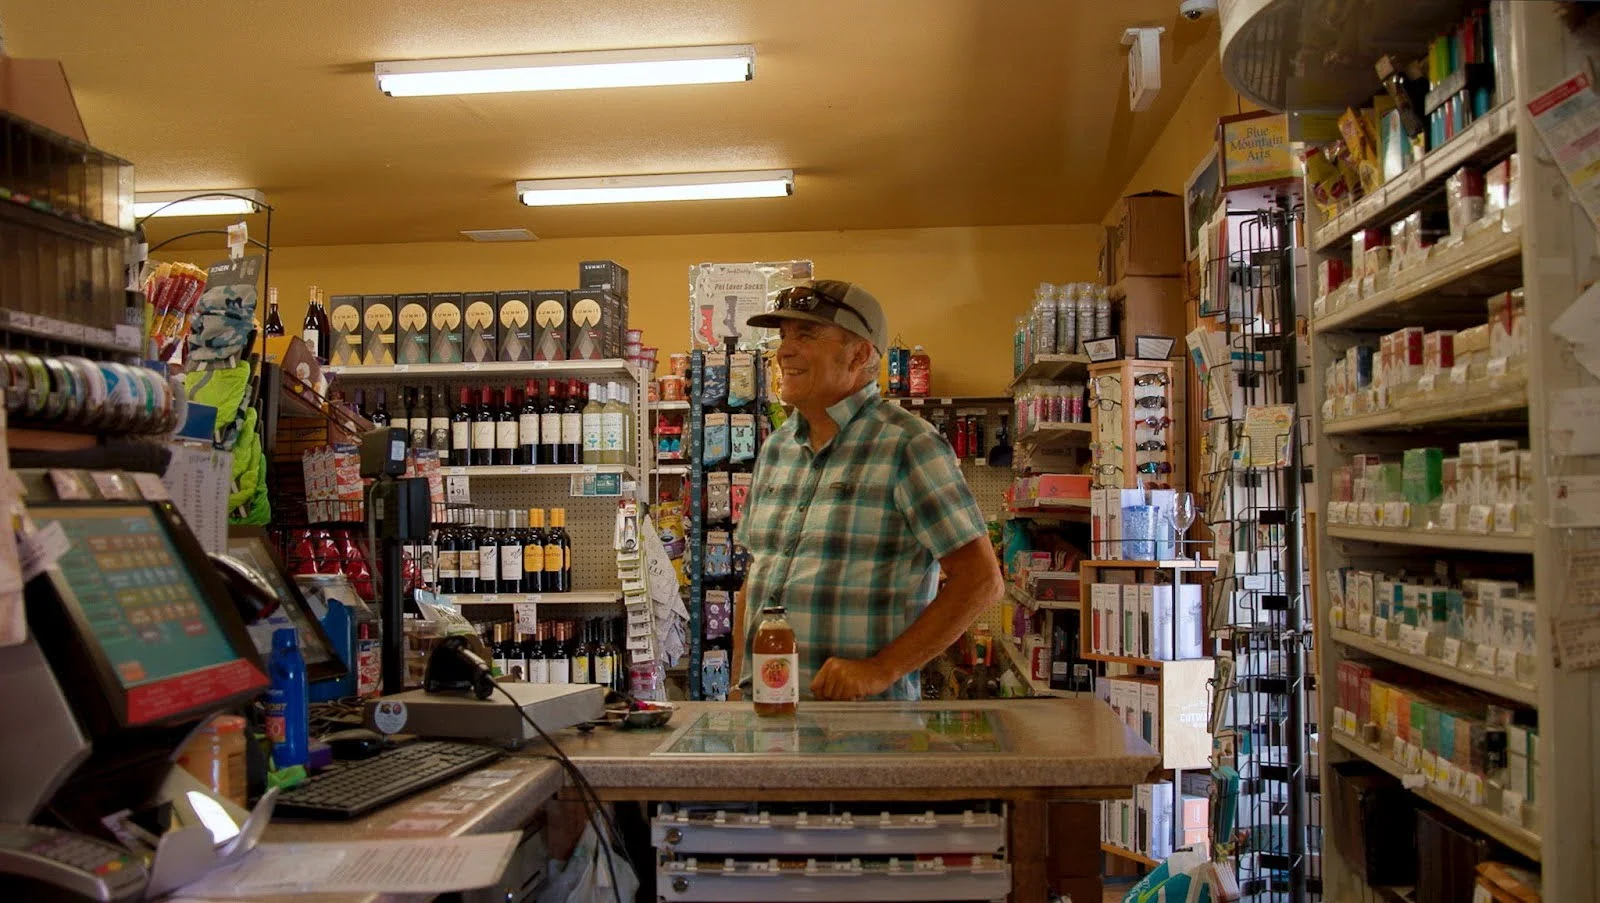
829 301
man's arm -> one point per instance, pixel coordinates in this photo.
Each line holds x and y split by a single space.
736 666
973 584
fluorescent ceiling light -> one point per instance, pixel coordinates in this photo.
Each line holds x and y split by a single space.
228 202
693 186
566 71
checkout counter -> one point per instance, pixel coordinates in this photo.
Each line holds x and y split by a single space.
846 801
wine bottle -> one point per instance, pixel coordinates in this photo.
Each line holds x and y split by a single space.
605 657
400 417
439 424
461 431
614 428
419 419
505 427
447 559
556 655
361 402
311 329
571 451
466 555
533 552
582 664
528 426
380 411
557 554
499 649
489 552
483 430
511 552
537 668
274 325
592 421
550 424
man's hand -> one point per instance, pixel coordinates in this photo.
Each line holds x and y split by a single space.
849 679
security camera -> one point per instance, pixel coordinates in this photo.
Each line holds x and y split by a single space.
1194 10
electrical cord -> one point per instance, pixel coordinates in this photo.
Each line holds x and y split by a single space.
609 835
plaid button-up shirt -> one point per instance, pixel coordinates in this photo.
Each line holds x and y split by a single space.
848 539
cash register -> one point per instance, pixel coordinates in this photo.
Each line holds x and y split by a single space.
133 642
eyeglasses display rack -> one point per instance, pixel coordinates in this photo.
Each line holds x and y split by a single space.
727 425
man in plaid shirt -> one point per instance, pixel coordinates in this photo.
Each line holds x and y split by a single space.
856 505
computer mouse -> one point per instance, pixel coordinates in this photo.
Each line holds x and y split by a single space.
356 743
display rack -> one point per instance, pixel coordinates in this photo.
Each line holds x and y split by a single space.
1547 249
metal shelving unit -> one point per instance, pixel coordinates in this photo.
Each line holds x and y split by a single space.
1551 255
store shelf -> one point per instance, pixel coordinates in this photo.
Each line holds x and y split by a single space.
1051 366
1448 412
1489 822
1477 680
1122 659
1120 853
953 401
1013 654
577 598
613 367
538 470
1053 508
673 470
1487 263
1055 435
669 406
1509 544
1486 139
1029 602
1177 564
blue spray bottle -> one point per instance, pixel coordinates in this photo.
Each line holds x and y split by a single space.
288 711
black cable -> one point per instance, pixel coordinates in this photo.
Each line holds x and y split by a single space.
610 836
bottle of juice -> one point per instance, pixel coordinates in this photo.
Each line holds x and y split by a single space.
774 664
921 374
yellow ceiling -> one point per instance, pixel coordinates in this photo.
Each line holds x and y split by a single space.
893 113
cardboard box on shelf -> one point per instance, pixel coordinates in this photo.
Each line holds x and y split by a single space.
550 325
445 328
594 331
515 313
411 329
377 325
480 340
344 315
1148 236
1150 305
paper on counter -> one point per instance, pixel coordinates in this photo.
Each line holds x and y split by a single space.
429 865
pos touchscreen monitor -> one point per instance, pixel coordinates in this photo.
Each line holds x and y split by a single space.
137 626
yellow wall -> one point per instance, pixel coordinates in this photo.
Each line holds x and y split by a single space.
1188 134
954 290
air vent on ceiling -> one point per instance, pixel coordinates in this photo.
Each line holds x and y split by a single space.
499 235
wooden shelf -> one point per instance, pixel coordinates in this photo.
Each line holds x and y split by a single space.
952 401
1120 853
1477 680
612 367
1506 543
1489 822
1123 659
1511 399
1051 367
1474 263
1177 564
1029 602
1055 435
537 470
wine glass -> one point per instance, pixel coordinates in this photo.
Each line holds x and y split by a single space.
1182 516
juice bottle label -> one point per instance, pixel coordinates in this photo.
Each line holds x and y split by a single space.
775 678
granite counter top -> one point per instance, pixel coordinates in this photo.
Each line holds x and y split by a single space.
1049 745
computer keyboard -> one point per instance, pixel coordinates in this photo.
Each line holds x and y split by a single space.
355 788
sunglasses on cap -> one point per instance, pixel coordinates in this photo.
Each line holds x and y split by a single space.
806 299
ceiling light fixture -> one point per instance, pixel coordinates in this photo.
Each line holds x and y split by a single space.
693 186
566 71
226 202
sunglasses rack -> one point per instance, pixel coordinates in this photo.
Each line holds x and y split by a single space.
1135 418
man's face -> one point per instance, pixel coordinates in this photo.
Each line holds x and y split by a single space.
821 364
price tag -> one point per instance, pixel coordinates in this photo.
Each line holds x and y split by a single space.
1425 384
541 365
1497 367
528 468
1484 659
918 402
456 471
591 468
1452 652
457 490
402 368
1458 374
469 366
488 597
527 617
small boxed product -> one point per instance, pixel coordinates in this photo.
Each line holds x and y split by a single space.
411 328
377 330
344 315
1438 350
1423 475
1464 199
550 325
593 330
480 339
515 313
1496 187
444 328
606 274
1331 274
